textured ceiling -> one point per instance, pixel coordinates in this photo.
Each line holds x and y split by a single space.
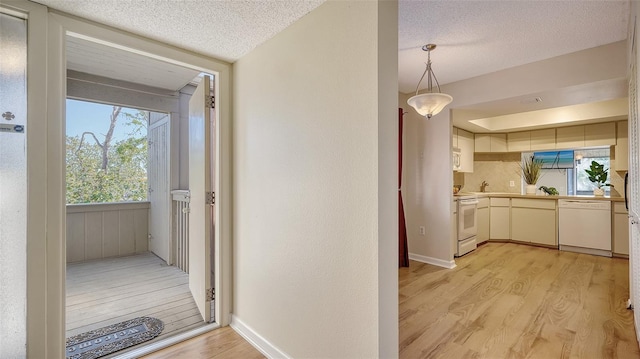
226 30
474 37
480 37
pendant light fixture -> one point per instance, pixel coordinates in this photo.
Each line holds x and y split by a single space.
429 103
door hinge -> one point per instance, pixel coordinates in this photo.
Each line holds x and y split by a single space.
210 294
210 198
211 102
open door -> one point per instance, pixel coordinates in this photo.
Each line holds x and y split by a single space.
158 180
201 197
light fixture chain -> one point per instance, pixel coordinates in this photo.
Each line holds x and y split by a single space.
421 78
429 72
436 79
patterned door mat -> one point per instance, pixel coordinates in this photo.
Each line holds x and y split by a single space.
112 338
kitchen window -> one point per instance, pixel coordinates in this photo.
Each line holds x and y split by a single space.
567 178
584 157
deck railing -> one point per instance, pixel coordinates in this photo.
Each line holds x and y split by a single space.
104 230
181 228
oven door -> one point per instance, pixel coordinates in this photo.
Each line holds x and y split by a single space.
467 218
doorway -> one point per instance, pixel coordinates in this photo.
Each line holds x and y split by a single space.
46 263
146 277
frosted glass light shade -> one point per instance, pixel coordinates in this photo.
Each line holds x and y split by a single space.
429 104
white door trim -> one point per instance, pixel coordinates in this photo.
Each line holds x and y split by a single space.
59 26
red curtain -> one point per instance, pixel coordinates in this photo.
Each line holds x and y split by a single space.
403 251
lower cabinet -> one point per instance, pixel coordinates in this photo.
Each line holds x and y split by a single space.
483 220
534 221
620 229
499 219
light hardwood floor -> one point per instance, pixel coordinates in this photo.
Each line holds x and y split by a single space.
222 343
108 291
513 301
502 301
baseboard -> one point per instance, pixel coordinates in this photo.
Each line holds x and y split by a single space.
434 261
596 252
255 339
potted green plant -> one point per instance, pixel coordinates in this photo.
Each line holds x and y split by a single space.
531 172
598 175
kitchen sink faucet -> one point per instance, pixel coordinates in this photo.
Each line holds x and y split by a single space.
483 186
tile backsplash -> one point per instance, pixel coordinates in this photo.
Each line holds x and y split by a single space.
495 168
500 168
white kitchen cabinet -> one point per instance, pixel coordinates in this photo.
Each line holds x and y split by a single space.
482 142
622 147
620 229
543 139
600 134
500 219
490 142
483 220
570 137
466 146
454 137
519 141
534 221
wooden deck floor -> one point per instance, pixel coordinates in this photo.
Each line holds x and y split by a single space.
109 291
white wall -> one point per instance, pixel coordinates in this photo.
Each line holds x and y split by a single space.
427 182
315 208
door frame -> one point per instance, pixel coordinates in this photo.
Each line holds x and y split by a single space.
60 25
45 284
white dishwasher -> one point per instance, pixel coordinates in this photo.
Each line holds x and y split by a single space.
585 226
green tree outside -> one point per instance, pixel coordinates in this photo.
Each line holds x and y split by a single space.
99 171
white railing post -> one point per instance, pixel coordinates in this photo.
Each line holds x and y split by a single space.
181 232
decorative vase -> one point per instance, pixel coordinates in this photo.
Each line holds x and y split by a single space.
531 189
598 192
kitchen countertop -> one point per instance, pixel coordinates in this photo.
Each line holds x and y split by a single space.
517 195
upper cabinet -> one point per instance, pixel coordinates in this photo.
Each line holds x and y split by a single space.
543 139
570 137
621 149
519 141
599 134
454 137
493 142
531 140
466 145
465 142
594 135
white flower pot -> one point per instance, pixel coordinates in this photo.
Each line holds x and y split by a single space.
598 192
531 189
